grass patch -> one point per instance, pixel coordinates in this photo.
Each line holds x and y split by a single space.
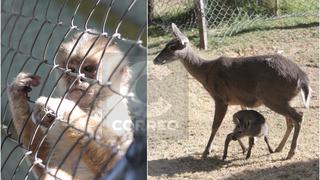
265 25
298 6
158 36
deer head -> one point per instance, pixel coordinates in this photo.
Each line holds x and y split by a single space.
242 125
174 49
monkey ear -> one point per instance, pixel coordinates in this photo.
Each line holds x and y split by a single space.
179 35
63 54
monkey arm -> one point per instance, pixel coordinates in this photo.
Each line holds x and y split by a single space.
18 102
99 147
20 110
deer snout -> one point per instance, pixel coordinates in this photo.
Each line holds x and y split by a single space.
159 61
236 135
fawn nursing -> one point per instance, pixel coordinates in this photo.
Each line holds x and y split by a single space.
249 123
272 80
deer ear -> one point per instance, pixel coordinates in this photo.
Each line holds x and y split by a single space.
236 120
179 35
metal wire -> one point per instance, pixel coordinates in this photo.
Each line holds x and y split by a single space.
226 18
25 48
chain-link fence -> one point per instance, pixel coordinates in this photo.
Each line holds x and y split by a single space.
73 87
226 17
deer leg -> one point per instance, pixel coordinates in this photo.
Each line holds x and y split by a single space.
286 135
226 145
251 143
267 141
292 117
243 147
220 111
297 120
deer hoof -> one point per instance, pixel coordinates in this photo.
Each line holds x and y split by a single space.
244 151
278 149
224 157
290 155
205 154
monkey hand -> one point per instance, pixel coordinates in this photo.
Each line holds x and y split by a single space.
43 113
22 85
46 111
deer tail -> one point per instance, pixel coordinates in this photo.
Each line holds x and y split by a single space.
305 92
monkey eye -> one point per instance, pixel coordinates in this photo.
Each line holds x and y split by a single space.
72 69
90 69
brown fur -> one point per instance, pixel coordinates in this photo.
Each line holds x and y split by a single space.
71 116
251 124
272 80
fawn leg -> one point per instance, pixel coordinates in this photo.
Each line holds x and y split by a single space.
243 147
267 141
251 143
286 135
244 108
226 145
220 111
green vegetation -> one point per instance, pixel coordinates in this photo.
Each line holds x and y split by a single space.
298 6
157 34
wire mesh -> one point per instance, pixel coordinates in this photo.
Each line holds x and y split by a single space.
227 17
88 108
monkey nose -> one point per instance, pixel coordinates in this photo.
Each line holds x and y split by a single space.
236 135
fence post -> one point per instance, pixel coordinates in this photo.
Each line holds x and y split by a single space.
201 18
276 13
150 11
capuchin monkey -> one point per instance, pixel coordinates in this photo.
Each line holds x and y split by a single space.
87 129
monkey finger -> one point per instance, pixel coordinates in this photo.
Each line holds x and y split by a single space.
35 80
48 119
26 79
27 88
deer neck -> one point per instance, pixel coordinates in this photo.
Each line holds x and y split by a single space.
194 64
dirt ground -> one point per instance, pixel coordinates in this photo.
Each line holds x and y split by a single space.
178 155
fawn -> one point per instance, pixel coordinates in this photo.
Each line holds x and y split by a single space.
249 123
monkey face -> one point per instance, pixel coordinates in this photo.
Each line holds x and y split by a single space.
82 88
95 71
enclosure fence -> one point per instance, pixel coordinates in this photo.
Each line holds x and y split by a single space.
32 33
225 17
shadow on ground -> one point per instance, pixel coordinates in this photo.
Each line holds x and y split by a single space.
297 170
184 164
300 25
190 164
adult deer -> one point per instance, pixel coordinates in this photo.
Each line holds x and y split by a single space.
272 80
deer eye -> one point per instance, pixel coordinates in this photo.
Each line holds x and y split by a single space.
172 47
